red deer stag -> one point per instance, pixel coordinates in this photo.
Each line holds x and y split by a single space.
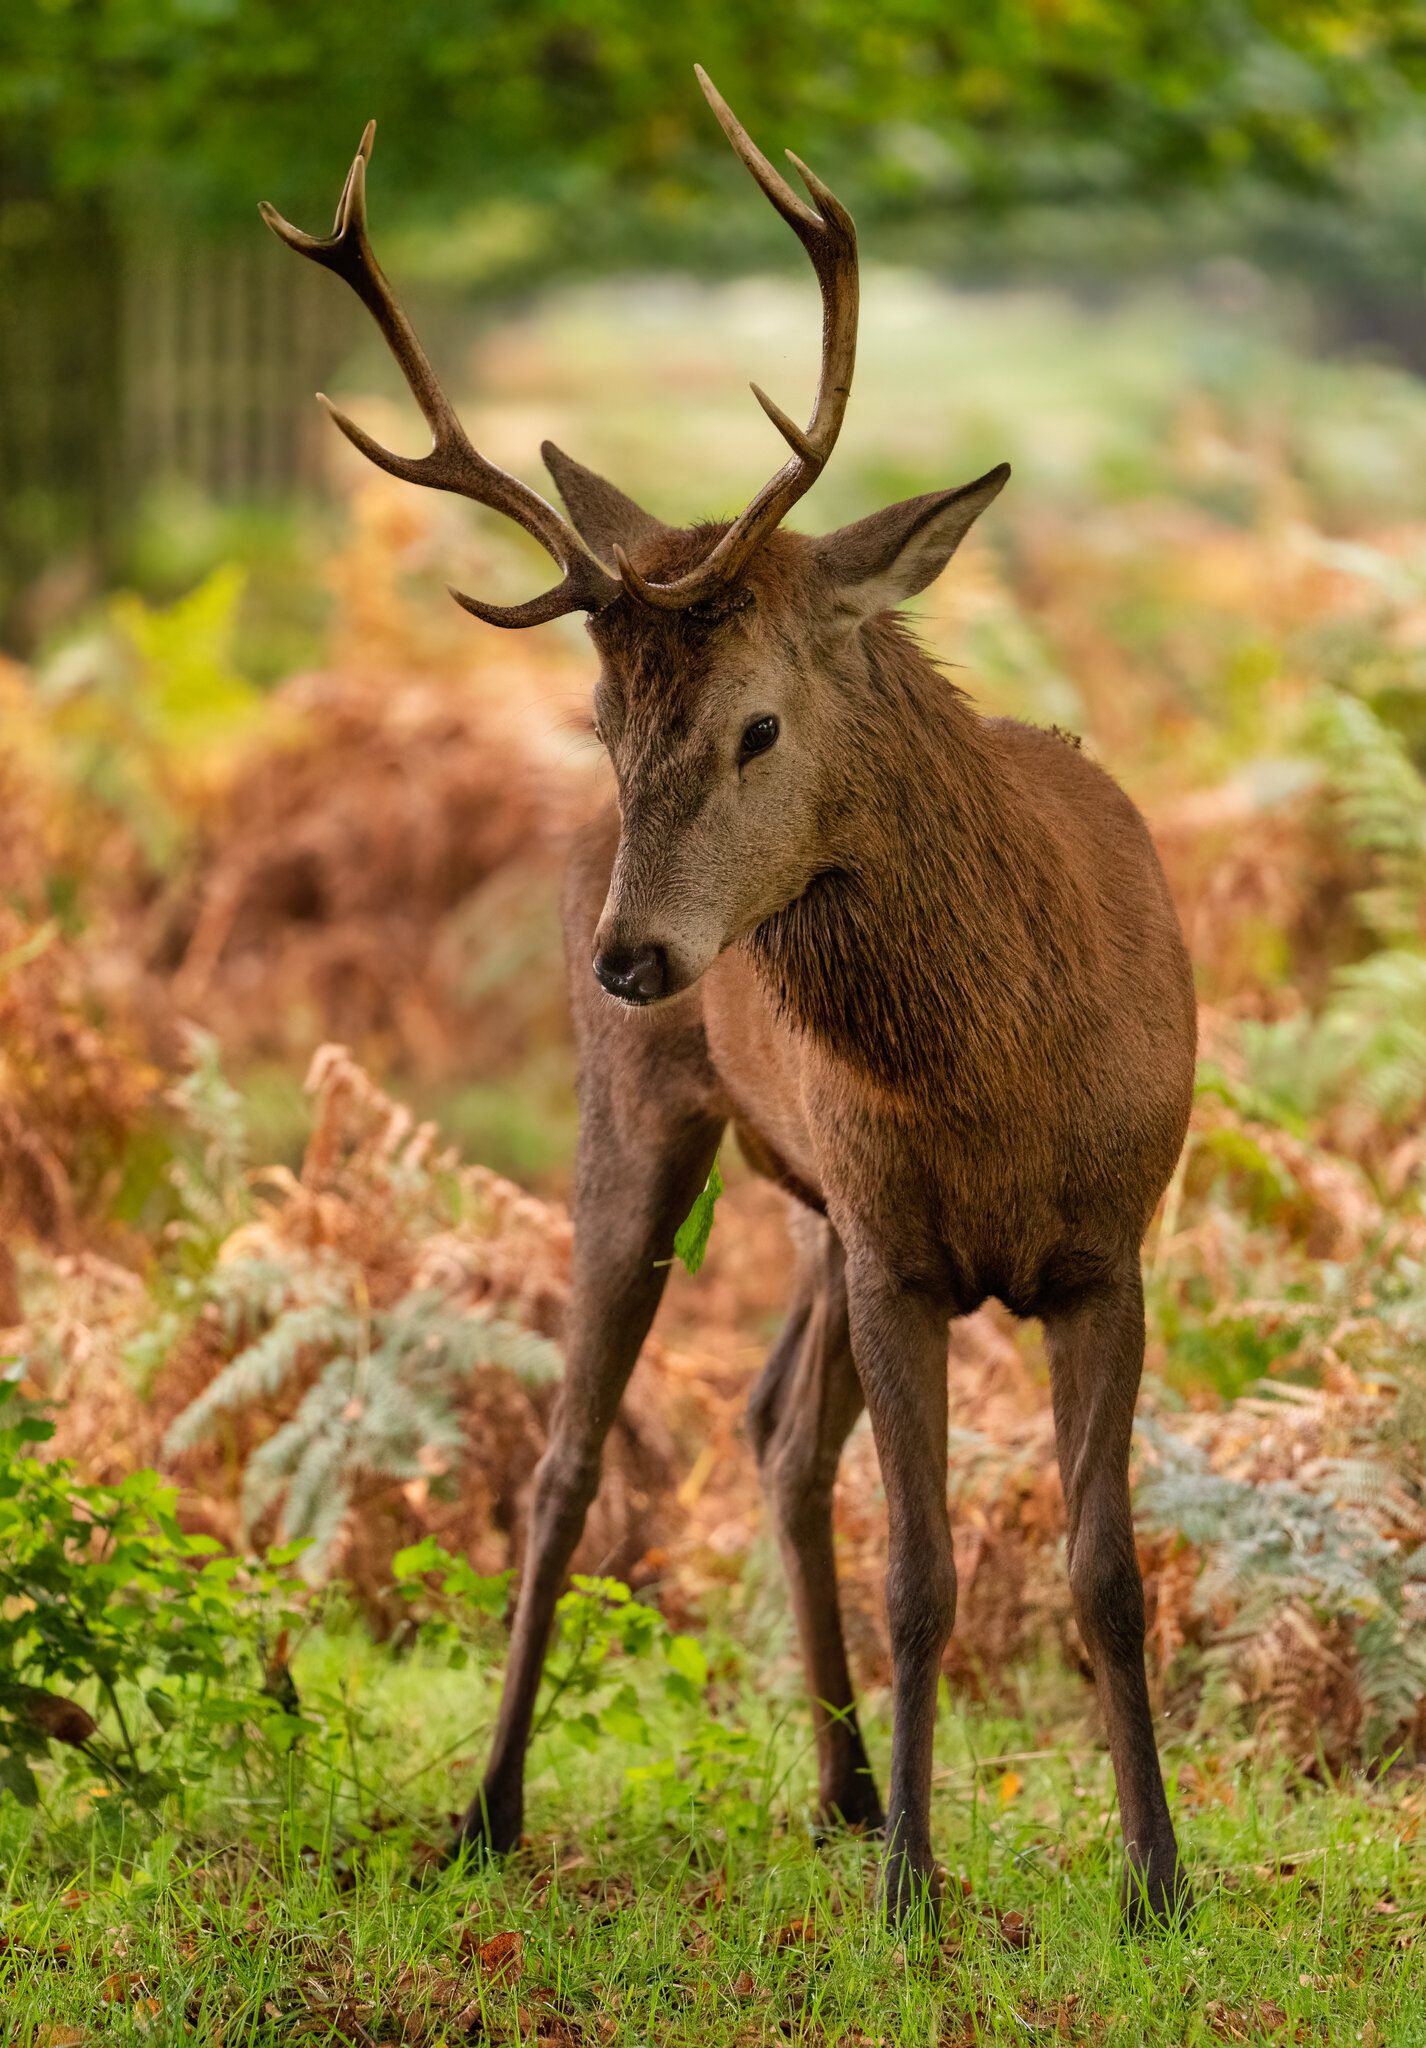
924 963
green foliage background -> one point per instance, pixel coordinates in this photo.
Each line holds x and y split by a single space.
579 123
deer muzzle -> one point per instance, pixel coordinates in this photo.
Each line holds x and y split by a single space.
634 974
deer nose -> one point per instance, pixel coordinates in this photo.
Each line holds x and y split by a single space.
636 974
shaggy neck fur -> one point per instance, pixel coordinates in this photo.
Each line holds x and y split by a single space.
936 943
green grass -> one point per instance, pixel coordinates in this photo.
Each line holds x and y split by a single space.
285 1911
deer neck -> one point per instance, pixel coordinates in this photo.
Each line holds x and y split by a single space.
913 953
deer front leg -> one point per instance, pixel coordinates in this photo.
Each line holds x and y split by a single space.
899 1340
1096 1354
639 1169
801 1411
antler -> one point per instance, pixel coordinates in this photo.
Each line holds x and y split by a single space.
830 239
452 464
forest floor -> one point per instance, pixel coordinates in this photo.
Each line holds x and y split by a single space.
629 1919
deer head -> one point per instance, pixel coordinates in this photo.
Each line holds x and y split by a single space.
738 685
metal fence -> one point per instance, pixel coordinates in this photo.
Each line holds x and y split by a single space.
222 349
121 366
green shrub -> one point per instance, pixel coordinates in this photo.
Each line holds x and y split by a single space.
124 1640
615 1673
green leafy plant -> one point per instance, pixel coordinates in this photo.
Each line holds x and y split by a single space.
723 1776
1379 795
144 714
1366 1044
690 1244
600 1630
452 1606
1370 1037
606 1641
209 1175
123 1639
606 1648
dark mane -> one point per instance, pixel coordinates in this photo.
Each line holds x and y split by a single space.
935 938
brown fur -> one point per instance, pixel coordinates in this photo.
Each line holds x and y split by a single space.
965 1037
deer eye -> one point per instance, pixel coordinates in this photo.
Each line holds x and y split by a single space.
757 738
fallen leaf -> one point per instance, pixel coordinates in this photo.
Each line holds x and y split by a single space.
1055 2020
1013 1928
711 1891
61 1719
502 1958
120 1986
58 1953
961 2030
557 2030
1235 2022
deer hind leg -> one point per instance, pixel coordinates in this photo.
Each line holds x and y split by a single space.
641 1162
802 1409
899 1340
1096 1351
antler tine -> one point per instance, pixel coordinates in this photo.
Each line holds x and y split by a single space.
452 463
798 215
830 239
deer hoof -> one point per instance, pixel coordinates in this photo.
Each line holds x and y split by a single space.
912 1893
857 1813
1156 1895
488 1830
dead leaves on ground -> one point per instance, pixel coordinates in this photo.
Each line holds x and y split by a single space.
465 1999
431 2001
1062 2020
1262 2020
484 1988
486 1998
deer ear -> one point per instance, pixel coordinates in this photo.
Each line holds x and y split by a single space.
601 513
883 560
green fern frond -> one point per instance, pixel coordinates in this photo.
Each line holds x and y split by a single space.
534 1360
259 1371
384 1402
251 1293
1381 801
1377 1016
273 1463
318 1495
